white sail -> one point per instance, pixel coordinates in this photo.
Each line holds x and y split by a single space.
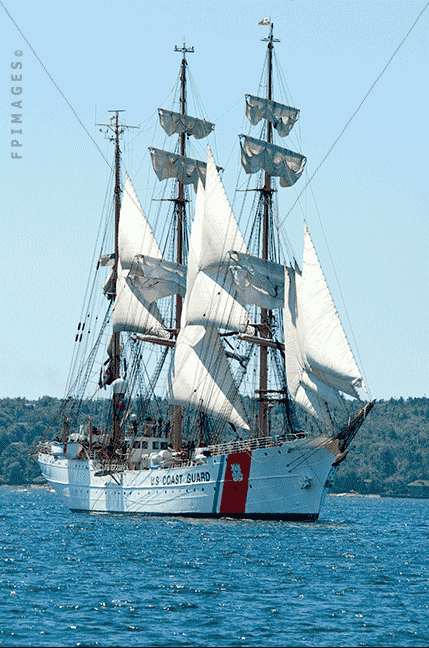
149 275
135 234
194 247
275 160
132 313
282 117
200 376
174 122
327 349
259 282
319 361
313 402
212 297
157 278
170 165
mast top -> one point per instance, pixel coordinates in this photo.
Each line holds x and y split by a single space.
270 38
115 125
184 49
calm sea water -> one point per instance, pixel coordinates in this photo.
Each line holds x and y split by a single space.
358 577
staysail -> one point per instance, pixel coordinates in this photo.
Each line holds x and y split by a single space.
212 297
149 275
135 309
200 376
135 233
319 361
282 117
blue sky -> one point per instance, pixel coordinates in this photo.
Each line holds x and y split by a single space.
371 192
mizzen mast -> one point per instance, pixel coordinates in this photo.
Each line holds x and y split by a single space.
256 155
180 200
176 428
266 314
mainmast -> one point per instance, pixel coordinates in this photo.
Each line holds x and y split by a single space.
185 170
267 201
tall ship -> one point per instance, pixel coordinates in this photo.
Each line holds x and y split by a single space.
220 370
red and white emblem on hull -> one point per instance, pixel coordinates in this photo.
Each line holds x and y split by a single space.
237 475
235 484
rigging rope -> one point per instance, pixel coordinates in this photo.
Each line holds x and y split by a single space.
357 110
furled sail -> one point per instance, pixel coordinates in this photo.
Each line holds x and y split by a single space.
107 260
173 122
319 361
282 117
171 165
277 161
212 297
157 278
200 376
259 282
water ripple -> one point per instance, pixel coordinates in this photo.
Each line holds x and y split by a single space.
357 577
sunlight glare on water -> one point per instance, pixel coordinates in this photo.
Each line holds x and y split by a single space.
357 577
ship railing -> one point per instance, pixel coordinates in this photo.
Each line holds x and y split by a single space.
252 444
107 467
44 447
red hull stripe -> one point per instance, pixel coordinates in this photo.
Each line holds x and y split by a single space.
236 483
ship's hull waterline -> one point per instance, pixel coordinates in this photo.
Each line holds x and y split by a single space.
286 481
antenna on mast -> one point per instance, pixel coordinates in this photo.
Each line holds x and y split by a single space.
184 49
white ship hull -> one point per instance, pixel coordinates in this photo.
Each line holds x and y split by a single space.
284 480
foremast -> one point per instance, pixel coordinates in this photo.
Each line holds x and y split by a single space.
117 129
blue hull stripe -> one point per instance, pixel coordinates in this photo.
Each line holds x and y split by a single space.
218 481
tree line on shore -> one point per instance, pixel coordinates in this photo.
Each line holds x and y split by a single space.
390 451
